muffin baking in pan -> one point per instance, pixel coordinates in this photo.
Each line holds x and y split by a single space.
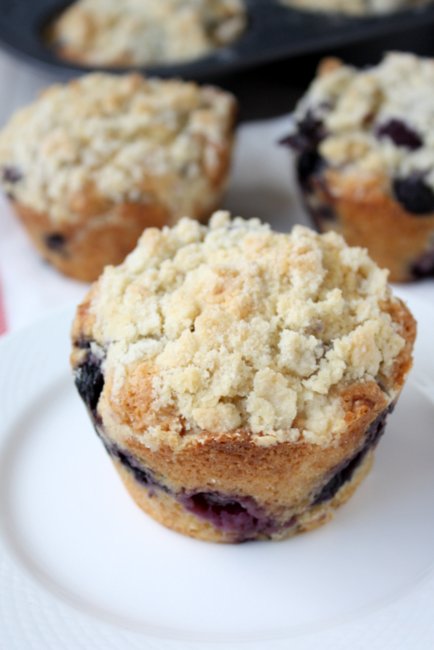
239 378
254 32
365 159
134 32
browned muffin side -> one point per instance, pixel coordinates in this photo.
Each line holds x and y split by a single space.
240 379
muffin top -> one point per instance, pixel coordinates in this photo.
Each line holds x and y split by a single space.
108 138
110 32
355 7
377 124
236 327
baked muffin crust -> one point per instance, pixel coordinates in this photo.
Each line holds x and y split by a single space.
237 327
115 139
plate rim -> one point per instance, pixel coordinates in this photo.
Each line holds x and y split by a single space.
64 313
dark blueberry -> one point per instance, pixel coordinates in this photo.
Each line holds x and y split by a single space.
89 380
414 194
400 133
11 174
345 472
424 266
322 213
309 164
377 427
83 343
240 516
142 474
310 131
55 242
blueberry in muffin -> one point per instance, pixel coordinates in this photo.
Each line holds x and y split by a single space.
240 379
365 159
93 162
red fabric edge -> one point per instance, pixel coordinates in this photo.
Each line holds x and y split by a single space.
3 324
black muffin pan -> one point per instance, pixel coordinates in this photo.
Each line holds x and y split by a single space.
274 32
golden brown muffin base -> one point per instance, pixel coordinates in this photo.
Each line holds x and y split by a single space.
91 245
367 215
165 509
282 479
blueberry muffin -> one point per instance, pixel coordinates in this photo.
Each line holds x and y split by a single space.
355 7
239 378
92 163
139 32
365 159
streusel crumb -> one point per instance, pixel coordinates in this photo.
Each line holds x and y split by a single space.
235 326
105 139
377 122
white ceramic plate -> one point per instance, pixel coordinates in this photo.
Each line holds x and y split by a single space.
82 567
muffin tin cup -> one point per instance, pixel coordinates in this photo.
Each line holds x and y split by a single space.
274 32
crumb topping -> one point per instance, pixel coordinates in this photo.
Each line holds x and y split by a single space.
138 32
378 122
234 326
107 138
355 7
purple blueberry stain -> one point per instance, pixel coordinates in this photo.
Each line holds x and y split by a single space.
424 266
142 474
241 516
400 133
89 380
309 133
345 471
414 194
321 213
309 164
11 174
83 343
55 242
